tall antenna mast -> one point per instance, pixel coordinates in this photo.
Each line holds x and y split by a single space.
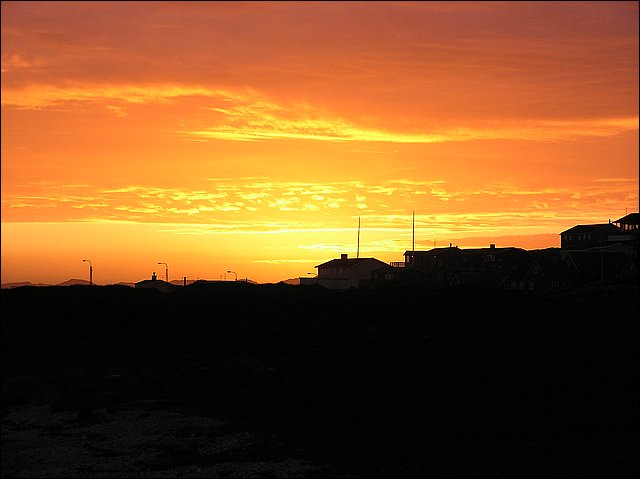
358 252
413 236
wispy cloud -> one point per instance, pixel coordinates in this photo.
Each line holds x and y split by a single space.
43 95
269 207
264 121
247 116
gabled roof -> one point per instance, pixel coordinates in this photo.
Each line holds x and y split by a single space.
630 219
599 228
347 263
155 283
151 281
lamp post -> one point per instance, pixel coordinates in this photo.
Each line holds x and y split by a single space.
166 271
229 271
90 271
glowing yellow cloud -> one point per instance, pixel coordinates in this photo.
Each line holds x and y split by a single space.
264 206
248 117
43 96
271 127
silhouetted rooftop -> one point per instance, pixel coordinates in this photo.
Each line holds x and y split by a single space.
630 219
456 249
344 263
601 228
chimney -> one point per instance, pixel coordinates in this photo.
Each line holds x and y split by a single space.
343 256
449 245
184 281
492 246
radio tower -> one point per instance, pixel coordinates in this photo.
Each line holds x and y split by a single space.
358 251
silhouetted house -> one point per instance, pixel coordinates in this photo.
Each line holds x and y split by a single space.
386 275
543 270
588 236
628 223
623 231
487 267
629 231
345 273
453 266
157 284
396 274
443 257
435 267
603 253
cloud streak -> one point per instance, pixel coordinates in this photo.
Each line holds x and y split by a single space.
247 117
273 207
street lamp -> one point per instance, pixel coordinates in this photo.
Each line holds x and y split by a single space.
166 271
233 273
90 271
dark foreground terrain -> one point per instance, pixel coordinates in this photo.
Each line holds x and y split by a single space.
240 380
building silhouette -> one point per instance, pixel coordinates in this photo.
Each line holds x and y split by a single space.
345 272
594 254
157 284
623 231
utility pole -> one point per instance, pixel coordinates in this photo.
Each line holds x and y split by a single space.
358 251
413 236
90 272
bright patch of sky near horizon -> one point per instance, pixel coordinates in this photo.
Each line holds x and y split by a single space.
246 136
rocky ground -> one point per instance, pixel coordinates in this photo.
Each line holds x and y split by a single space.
148 438
285 381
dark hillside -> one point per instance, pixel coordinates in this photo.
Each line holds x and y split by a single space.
390 382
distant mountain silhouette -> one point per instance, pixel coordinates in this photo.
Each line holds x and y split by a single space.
74 282
83 282
21 283
294 281
69 282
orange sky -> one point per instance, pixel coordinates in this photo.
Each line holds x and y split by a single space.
252 136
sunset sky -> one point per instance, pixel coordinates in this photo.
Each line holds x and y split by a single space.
250 137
